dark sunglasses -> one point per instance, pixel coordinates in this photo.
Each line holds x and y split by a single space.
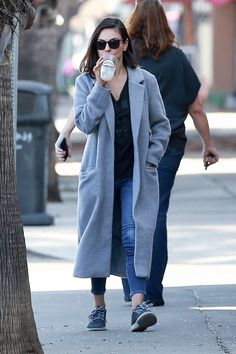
113 43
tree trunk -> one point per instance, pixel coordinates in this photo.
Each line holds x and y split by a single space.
18 334
38 53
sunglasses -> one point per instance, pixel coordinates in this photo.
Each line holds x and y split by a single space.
113 43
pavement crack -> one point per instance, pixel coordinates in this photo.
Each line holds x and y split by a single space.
224 187
210 326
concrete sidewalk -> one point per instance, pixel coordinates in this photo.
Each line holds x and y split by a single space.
196 320
200 281
200 291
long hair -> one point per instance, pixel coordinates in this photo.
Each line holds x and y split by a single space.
91 56
149 29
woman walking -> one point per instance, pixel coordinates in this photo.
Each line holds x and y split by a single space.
127 134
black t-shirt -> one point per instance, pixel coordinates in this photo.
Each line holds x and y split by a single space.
124 151
179 86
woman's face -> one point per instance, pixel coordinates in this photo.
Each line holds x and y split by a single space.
115 46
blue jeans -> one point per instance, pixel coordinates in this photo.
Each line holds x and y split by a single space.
124 191
167 170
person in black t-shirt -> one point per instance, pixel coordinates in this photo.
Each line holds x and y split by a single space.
155 51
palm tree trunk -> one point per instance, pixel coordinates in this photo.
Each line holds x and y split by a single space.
18 332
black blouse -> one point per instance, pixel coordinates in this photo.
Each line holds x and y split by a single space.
124 151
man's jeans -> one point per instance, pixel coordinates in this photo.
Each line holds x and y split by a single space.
124 191
167 170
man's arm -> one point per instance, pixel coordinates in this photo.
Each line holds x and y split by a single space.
209 152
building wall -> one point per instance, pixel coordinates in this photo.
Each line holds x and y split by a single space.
205 47
224 47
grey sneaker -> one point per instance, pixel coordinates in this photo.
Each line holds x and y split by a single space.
97 319
142 318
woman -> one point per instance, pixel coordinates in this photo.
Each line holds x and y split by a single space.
155 51
127 134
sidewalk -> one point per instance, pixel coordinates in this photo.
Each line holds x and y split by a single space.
199 320
200 281
199 315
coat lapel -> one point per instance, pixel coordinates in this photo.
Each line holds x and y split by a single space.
136 97
110 118
109 115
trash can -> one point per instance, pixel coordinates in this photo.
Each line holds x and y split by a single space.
34 117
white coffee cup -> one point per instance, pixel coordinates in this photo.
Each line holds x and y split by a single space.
108 67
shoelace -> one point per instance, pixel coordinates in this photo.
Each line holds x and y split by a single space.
97 314
143 307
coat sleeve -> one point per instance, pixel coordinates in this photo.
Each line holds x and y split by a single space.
89 104
159 123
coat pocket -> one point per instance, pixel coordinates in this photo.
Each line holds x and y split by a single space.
151 169
86 171
87 198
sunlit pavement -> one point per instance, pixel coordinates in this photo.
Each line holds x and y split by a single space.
199 315
202 229
200 291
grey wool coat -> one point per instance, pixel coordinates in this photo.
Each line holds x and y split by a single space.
100 251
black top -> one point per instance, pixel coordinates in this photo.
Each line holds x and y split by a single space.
124 151
179 86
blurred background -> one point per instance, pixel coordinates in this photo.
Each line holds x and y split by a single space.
52 50
205 29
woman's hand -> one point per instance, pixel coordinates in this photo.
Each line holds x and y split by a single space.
97 70
63 148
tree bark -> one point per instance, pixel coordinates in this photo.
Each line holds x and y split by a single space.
18 334
38 53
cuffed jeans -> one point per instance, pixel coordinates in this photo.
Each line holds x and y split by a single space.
124 191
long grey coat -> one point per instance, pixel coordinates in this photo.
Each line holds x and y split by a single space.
100 251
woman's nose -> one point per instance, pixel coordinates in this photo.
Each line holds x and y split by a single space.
107 48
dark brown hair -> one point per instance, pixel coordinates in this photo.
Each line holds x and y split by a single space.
148 27
91 56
